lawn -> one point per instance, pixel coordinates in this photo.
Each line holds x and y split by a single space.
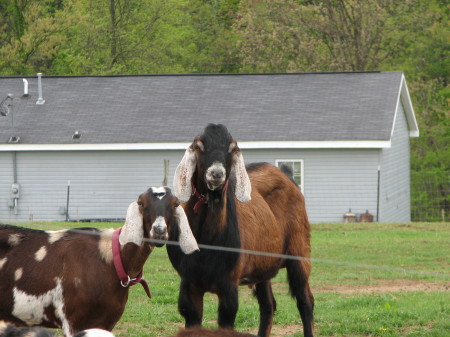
372 279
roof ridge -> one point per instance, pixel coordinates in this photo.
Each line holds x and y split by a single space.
206 74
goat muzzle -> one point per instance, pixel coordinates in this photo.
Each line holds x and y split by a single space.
159 231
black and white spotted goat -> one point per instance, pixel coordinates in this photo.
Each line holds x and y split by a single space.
79 279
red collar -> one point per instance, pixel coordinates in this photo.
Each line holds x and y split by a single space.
203 199
125 279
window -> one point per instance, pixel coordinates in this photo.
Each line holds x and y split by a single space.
297 169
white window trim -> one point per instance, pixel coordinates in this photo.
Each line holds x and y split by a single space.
302 170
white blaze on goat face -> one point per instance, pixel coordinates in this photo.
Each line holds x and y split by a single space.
31 308
40 254
159 192
215 175
14 239
18 274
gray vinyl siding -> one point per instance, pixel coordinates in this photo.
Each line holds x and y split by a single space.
334 180
395 174
102 183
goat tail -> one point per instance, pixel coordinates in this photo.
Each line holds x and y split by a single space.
288 171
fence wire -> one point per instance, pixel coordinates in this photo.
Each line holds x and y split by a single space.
288 257
430 196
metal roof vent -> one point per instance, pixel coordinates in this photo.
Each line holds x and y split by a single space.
40 100
14 140
76 135
25 88
4 107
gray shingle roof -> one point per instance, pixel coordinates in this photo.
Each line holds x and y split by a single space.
175 108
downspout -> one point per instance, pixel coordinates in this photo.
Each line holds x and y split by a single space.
15 186
378 194
15 166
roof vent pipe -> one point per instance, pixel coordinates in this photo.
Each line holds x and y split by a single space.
40 99
25 88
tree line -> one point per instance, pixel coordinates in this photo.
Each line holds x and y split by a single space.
84 37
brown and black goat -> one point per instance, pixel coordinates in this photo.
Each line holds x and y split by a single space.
258 208
71 279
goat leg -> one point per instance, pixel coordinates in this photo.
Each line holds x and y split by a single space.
305 304
228 305
267 307
190 304
300 290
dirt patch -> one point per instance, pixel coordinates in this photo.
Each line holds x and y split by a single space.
384 287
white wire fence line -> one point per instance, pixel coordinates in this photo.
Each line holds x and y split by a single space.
404 271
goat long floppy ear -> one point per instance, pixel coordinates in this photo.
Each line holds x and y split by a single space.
243 188
183 174
188 244
132 230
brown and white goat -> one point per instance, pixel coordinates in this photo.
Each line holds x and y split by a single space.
258 208
67 279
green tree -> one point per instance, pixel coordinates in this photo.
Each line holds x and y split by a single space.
319 35
426 61
149 36
31 34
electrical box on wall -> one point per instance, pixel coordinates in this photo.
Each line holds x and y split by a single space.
15 191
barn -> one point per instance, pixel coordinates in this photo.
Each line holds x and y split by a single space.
83 147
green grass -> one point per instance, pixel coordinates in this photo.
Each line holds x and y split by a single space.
345 256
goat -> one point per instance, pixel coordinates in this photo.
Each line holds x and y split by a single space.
198 332
10 330
258 208
94 333
75 279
